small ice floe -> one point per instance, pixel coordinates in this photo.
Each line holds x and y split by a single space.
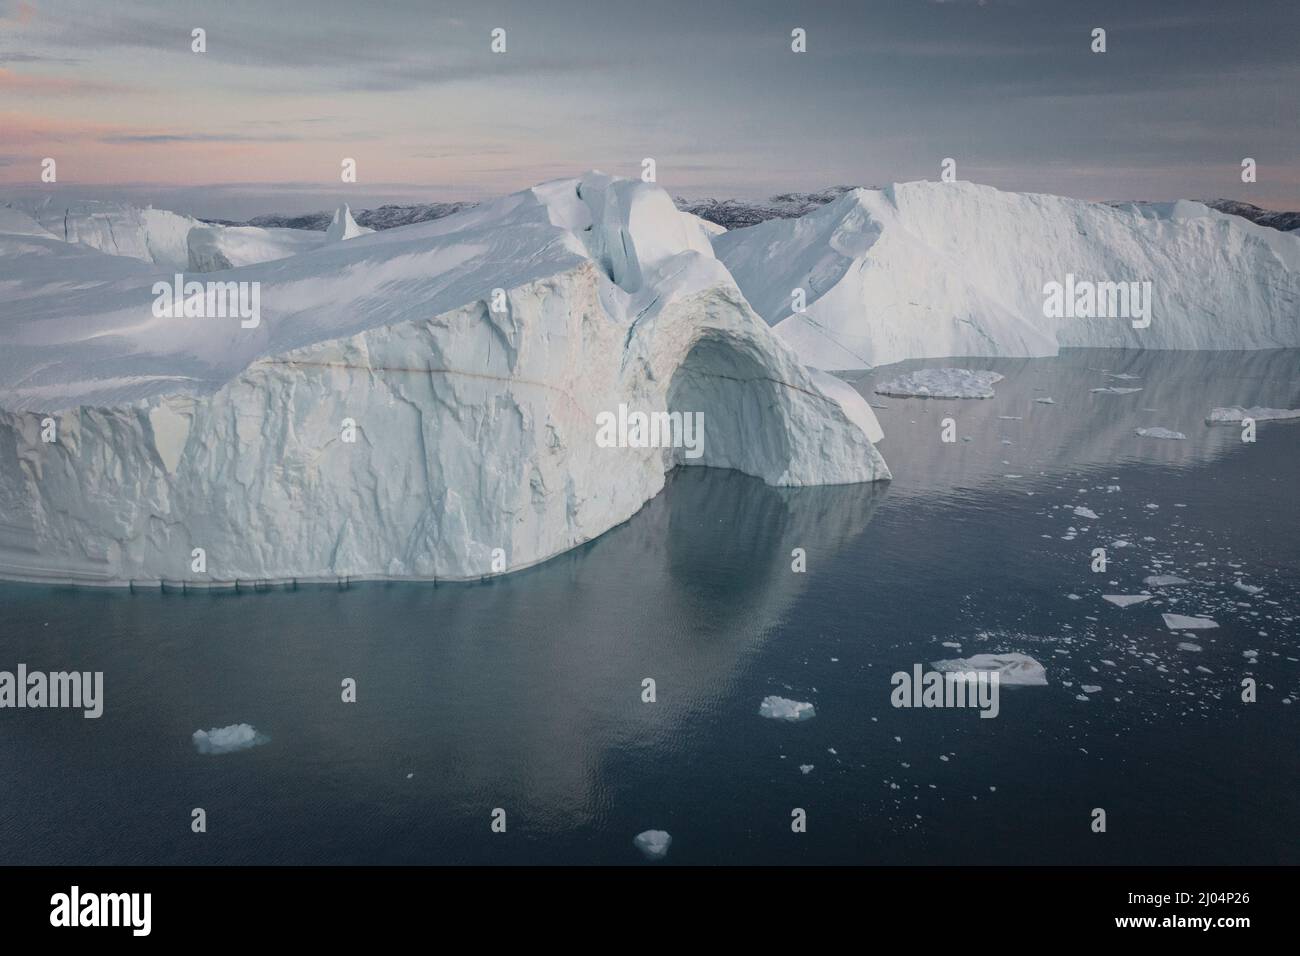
1114 390
1119 543
653 844
1250 655
953 644
1124 600
1083 512
1090 689
1012 668
1082 697
1182 622
805 768
1010 418
1046 401
782 708
1123 375
1160 433
225 740
1189 646
941 383
1241 585
1164 580
1235 414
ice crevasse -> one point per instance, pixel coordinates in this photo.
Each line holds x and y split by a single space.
471 356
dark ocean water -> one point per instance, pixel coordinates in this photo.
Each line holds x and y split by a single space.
524 693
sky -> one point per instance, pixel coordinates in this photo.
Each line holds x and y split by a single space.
710 89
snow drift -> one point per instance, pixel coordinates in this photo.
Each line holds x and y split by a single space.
924 269
466 357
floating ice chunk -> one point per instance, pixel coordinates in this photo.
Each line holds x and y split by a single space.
1241 585
805 768
782 708
1164 580
1160 433
1119 543
1235 414
653 844
224 740
1188 646
1083 512
1114 390
1090 689
1012 668
1045 401
1181 622
1124 600
941 383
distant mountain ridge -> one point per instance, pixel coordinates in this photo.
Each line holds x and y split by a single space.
728 213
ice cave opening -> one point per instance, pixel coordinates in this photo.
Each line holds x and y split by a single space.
745 418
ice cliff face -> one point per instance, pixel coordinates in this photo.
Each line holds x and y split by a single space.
942 269
417 403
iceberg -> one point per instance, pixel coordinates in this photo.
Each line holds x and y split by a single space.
653 844
1236 414
928 269
1013 669
782 708
224 740
418 403
941 383
156 236
1182 622
1164 580
1126 600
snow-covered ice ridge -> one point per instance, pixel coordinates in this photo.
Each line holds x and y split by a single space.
926 269
475 428
173 241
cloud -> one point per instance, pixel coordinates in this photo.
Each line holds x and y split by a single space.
124 139
39 85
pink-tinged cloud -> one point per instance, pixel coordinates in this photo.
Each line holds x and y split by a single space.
34 85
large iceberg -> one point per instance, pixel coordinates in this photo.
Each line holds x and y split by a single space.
925 269
417 403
